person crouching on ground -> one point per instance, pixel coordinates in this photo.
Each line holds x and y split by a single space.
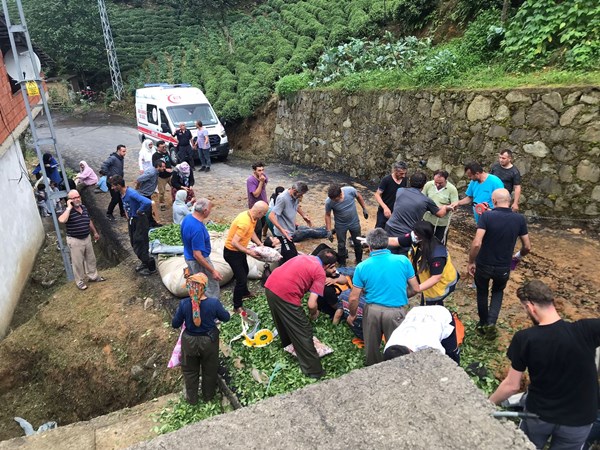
431 261
285 289
200 339
384 278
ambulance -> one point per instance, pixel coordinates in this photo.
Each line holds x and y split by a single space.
161 107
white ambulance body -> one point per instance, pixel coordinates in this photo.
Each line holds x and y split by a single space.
160 108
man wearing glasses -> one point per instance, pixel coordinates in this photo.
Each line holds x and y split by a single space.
79 225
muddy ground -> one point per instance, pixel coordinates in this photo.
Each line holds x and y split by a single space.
71 353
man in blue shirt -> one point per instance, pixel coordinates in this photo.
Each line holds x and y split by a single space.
197 248
383 278
479 191
137 210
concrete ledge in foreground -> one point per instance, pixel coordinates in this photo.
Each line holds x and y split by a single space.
419 401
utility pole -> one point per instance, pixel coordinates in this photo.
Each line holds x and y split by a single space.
111 52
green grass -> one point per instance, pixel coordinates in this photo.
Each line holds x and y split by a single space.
492 77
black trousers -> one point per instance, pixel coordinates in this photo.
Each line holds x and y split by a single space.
138 236
115 199
239 265
185 153
499 277
196 352
328 302
450 344
260 224
151 220
294 328
439 233
341 234
381 219
288 249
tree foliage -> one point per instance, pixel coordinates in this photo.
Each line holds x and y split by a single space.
71 33
545 31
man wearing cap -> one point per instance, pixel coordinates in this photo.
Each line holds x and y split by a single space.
284 289
79 225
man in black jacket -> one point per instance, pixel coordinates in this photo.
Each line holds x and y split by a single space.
114 166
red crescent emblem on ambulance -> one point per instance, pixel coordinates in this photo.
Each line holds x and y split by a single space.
174 98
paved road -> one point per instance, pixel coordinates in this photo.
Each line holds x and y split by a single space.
94 142
94 138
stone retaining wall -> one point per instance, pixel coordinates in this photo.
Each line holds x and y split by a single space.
553 133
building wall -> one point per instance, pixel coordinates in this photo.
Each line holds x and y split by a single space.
20 223
554 134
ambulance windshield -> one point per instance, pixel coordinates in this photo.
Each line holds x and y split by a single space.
190 113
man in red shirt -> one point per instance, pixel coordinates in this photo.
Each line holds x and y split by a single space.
285 289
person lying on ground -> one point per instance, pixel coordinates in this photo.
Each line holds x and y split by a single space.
424 327
343 312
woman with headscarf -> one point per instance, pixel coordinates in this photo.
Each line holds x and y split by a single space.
181 208
430 258
145 155
182 179
200 339
51 166
86 175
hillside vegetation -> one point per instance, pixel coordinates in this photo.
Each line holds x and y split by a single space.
240 52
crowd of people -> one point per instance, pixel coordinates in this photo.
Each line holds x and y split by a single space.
407 257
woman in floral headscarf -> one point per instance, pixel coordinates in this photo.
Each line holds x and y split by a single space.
200 339
182 179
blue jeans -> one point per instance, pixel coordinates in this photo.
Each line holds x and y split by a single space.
499 277
204 155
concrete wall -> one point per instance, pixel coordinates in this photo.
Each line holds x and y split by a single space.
419 401
22 230
20 223
554 134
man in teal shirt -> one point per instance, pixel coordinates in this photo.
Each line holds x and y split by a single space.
383 278
479 191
